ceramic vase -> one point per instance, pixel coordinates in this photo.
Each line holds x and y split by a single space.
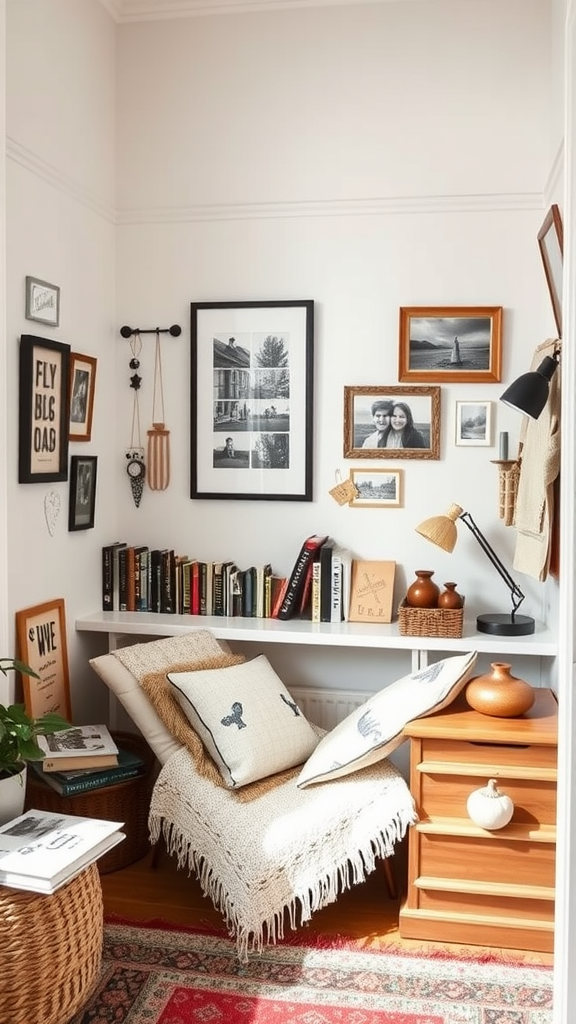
500 694
423 592
450 598
12 794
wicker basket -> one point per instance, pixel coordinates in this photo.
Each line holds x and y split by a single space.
51 950
126 801
430 621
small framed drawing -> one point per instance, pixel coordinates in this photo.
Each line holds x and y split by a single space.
252 400
82 382
376 488
473 421
551 244
42 302
43 410
391 422
442 344
82 499
41 639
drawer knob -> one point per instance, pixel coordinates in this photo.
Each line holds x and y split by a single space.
489 807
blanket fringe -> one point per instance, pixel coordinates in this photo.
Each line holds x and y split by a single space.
343 875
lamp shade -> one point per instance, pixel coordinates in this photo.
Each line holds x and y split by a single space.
529 393
441 530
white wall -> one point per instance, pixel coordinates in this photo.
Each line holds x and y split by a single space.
368 158
60 227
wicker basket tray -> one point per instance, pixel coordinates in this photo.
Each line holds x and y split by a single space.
126 801
430 621
51 950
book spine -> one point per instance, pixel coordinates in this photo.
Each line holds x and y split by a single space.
218 589
130 580
336 590
326 583
100 781
315 592
123 579
195 591
107 577
297 578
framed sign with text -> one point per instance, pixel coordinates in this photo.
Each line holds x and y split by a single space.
41 638
43 413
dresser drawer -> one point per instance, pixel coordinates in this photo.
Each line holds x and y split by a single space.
446 795
492 905
490 755
493 859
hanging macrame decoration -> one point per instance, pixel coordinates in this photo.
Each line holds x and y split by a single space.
135 465
158 437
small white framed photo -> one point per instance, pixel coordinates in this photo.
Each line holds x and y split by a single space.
376 488
42 302
473 422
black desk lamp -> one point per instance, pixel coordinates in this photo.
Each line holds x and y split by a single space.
441 530
529 392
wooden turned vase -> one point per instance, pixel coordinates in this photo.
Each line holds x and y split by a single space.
450 598
500 694
423 593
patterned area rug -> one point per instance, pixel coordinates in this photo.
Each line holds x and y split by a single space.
152 975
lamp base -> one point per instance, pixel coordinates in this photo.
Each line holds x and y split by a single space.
505 625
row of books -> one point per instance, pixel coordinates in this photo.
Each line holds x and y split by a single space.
138 579
326 584
84 758
40 851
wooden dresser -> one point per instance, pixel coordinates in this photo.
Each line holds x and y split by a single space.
465 883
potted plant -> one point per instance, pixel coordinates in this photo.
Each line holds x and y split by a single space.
18 732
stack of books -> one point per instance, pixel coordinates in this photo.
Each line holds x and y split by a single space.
83 758
40 851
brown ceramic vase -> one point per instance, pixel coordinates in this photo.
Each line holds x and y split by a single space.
450 598
423 593
500 694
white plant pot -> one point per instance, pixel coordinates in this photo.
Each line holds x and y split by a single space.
12 795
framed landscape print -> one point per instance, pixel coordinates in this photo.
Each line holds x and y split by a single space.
441 344
42 645
376 488
252 400
391 422
473 422
43 410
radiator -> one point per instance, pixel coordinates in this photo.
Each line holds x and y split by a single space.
327 708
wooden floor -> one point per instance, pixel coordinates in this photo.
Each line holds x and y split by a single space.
141 892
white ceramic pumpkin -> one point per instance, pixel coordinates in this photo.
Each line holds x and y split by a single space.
489 807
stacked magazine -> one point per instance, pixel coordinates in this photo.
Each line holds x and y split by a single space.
81 746
40 851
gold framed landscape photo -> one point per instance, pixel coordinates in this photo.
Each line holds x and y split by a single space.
442 344
390 422
251 398
42 302
41 640
473 424
551 244
82 383
376 488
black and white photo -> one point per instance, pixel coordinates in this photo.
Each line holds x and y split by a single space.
82 492
473 424
442 344
251 396
376 488
392 422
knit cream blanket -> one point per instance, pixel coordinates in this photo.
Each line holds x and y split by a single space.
284 855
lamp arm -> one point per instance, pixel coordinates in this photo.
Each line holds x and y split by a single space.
515 593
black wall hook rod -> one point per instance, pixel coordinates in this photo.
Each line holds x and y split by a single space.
175 330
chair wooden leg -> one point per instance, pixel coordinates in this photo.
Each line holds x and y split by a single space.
389 877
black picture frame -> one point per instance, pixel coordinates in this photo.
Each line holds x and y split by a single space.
82 496
251 400
43 410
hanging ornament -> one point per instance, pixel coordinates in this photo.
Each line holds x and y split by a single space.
158 437
135 465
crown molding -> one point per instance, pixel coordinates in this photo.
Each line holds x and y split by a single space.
19 154
338 208
156 10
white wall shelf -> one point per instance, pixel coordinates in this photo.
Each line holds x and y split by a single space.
542 643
